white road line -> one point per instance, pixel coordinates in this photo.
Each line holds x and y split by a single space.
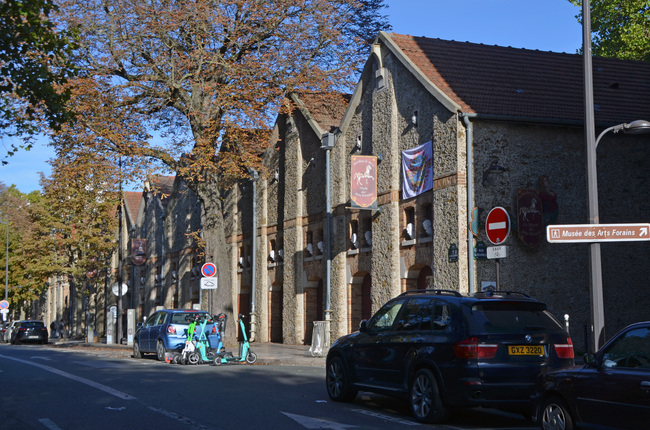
49 424
88 382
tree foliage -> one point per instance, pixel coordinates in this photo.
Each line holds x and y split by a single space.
34 63
620 29
167 80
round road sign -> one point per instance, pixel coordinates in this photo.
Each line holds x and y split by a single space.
4 304
208 270
497 225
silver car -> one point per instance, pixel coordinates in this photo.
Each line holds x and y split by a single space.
10 329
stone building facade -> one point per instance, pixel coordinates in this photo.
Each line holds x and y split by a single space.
507 129
504 124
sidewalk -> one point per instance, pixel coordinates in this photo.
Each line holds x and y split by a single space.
267 353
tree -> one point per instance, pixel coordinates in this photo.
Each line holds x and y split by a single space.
33 66
196 84
73 227
15 208
620 29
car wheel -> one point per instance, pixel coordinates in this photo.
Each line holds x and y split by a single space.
426 403
338 382
160 350
251 357
554 415
137 353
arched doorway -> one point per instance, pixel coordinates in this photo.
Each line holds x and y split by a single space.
276 308
313 307
360 303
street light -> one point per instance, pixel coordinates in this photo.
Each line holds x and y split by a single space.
597 307
7 261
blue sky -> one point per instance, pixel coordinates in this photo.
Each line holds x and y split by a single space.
548 25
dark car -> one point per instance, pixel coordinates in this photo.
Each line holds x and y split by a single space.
441 350
610 390
29 331
166 330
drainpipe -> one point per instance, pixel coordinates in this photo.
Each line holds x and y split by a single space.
255 177
327 143
470 196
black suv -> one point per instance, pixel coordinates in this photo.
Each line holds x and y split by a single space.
440 349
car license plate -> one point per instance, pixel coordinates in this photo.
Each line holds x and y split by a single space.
32 337
526 350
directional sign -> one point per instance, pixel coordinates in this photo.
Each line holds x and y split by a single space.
585 233
208 270
497 225
4 304
209 283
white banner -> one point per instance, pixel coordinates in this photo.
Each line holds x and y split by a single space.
417 170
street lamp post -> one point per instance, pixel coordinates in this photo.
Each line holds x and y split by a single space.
7 261
597 307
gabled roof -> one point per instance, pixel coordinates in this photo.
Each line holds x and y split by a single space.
161 186
323 111
132 201
500 81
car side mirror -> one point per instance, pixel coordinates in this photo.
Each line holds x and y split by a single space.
589 359
363 326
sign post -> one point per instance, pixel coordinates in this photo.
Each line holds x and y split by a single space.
497 228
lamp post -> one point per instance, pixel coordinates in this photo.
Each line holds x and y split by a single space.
6 222
596 292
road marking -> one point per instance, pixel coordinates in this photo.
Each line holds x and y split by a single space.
386 417
179 418
48 423
315 423
36 357
88 382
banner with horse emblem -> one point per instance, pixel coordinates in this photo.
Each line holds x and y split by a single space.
363 182
417 170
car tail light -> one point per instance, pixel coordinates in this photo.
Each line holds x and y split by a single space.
470 348
171 329
564 350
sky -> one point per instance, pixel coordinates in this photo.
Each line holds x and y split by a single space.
548 25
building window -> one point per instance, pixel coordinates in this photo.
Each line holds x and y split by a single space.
409 224
354 234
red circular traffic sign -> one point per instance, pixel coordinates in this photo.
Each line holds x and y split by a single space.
208 270
497 225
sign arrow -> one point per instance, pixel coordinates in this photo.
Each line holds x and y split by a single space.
315 423
644 232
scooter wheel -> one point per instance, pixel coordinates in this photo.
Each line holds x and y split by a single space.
217 360
193 358
251 357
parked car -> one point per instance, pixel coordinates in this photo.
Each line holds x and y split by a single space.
610 390
29 331
5 326
10 329
166 330
441 350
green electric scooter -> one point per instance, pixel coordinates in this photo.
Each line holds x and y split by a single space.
245 353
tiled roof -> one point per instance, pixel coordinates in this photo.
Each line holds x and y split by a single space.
496 80
326 109
132 200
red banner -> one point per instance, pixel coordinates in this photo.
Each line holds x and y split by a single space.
138 251
363 182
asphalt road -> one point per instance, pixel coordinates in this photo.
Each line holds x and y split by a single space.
82 388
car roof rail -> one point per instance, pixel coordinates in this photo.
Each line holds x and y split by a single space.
433 291
500 293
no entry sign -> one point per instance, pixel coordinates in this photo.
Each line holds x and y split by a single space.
497 225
